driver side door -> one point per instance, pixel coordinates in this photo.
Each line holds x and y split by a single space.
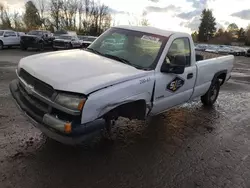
174 89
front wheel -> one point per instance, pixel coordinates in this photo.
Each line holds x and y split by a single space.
23 47
212 94
1 45
40 46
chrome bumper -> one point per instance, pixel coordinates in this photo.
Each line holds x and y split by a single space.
52 126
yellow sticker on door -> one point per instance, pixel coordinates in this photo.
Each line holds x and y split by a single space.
175 84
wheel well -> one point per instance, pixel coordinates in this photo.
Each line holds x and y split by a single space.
222 78
132 110
1 42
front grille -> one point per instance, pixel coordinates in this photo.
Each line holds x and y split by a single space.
57 43
38 85
28 39
34 102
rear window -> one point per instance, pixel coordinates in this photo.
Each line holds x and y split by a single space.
1 33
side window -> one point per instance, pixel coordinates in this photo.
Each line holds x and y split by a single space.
180 46
10 34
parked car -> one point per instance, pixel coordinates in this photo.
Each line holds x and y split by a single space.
9 38
66 42
58 33
226 50
212 49
37 39
247 53
71 95
86 40
201 47
239 51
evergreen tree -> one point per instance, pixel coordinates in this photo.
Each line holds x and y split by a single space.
31 16
207 27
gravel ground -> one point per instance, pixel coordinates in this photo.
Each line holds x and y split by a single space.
189 146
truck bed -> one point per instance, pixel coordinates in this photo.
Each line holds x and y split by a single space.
206 55
207 68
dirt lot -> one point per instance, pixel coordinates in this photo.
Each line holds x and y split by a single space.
189 146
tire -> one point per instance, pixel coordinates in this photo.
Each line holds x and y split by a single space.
1 45
69 46
40 46
212 94
24 48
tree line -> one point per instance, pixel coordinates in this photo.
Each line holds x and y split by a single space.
208 32
83 16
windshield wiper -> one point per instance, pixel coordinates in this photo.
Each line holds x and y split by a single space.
117 58
94 51
125 61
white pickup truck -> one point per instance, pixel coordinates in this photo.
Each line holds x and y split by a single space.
73 94
9 38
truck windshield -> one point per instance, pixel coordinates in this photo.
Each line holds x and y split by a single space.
35 33
138 49
1 33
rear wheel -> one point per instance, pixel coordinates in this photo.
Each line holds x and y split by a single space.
23 47
40 46
1 45
212 94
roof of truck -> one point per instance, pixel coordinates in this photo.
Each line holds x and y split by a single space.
149 29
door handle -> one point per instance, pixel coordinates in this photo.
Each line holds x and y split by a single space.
190 75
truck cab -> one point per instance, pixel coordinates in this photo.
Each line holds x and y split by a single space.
9 38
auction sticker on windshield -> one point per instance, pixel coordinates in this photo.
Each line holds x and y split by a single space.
150 38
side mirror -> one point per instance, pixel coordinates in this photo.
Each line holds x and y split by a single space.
177 65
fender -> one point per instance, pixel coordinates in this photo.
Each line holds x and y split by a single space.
102 101
135 98
217 75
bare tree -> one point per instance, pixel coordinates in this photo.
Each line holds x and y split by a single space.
80 13
55 12
17 20
5 18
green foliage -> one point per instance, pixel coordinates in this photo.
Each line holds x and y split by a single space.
232 27
207 27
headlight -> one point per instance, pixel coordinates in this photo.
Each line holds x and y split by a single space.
74 102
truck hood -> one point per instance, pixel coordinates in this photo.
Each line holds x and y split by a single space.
62 40
78 70
30 36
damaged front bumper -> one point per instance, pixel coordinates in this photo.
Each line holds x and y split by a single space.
51 124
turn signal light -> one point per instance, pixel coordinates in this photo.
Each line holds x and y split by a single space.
81 104
67 128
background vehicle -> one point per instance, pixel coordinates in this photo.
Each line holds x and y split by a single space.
58 33
201 47
83 91
212 49
37 39
9 38
247 53
66 42
86 40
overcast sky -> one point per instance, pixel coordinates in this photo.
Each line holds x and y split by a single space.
172 14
